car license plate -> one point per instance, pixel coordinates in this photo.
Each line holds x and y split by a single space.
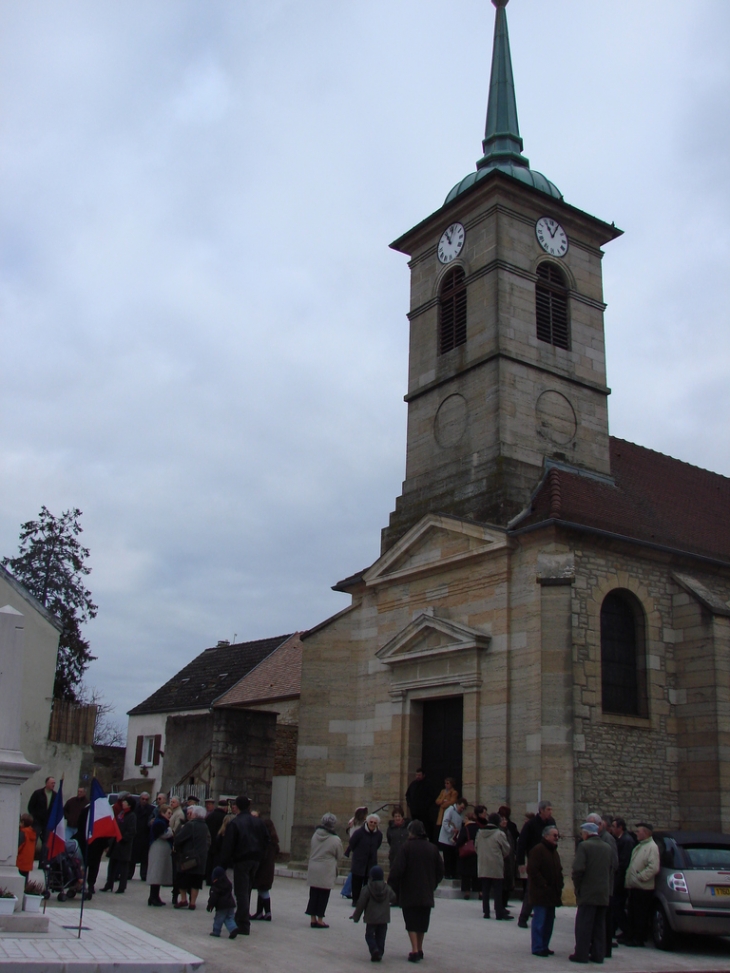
720 890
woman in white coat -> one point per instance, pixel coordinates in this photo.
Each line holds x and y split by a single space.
325 855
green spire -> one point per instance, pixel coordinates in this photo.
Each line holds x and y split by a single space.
502 142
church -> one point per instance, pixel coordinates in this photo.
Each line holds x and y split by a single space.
550 614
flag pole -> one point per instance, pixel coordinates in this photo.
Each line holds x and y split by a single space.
83 893
86 865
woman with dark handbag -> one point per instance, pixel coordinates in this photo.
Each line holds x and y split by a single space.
191 843
467 851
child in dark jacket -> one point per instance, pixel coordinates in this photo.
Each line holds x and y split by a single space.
374 901
221 899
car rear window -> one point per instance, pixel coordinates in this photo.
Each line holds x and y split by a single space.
708 856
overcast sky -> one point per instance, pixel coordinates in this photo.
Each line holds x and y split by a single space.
204 332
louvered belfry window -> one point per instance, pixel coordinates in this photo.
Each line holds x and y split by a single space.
551 300
452 326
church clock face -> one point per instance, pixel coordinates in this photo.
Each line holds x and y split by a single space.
451 243
551 236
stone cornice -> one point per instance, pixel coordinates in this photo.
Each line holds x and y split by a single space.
484 359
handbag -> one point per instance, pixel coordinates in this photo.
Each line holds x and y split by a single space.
467 849
188 862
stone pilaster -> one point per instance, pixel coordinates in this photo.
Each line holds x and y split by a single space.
14 768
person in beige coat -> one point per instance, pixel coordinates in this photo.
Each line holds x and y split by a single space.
492 847
640 879
324 857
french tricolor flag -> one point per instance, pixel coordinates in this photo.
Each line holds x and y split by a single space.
56 839
101 823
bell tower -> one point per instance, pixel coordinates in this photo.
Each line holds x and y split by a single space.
507 366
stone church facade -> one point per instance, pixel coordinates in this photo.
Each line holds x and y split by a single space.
550 613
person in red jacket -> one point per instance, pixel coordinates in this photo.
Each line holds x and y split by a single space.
26 845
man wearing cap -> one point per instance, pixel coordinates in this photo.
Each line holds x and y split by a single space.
592 882
640 879
605 835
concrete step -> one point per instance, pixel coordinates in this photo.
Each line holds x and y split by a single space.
450 888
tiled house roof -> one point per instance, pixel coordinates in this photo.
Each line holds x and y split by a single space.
279 676
654 498
209 675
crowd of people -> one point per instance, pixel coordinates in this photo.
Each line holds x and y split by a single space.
613 872
177 845
182 845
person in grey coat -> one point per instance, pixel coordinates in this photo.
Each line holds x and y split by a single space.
375 901
493 848
159 860
592 882
324 857
603 822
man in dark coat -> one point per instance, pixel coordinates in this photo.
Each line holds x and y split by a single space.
419 798
39 805
145 813
415 874
592 871
244 844
545 874
71 810
530 836
624 847
214 820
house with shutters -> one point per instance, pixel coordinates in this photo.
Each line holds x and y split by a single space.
232 696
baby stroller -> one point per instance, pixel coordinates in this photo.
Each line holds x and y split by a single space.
64 873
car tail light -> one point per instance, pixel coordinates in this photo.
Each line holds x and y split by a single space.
678 883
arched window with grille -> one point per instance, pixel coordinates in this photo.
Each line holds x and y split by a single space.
452 321
623 654
551 306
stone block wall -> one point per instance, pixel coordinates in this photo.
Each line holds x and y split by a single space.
187 740
625 765
285 750
242 755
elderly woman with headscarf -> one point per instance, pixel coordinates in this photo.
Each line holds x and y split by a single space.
324 857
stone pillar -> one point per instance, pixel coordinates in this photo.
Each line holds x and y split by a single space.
471 758
14 768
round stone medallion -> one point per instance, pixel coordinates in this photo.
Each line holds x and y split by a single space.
555 418
450 422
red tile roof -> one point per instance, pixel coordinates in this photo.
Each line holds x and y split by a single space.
278 676
654 498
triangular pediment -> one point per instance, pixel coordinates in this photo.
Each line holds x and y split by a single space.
429 636
434 542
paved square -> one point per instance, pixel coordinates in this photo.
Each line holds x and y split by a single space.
459 940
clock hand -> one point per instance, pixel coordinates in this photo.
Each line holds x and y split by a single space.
553 232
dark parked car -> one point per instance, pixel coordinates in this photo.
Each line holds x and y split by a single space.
692 892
